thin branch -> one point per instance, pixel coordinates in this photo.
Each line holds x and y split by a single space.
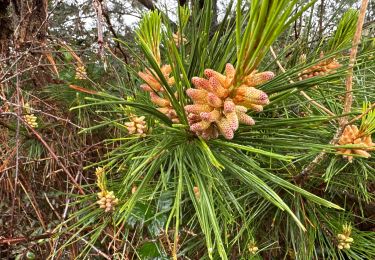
352 58
99 18
76 184
37 111
16 240
53 155
18 113
118 45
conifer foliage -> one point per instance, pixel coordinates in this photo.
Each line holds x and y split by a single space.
229 152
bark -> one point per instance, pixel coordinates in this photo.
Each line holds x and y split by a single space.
23 27
22 23
5 25
32 16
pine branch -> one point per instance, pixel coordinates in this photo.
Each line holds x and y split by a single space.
301 178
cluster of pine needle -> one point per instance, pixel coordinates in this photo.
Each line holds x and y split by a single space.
250 156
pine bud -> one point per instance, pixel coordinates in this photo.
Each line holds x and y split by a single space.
198 108
219 78
229 106
200 126
232 120
245 119
151 81
230 72
210 133
217 88
250 95
200 83
107 200
214 100
323 68
212 116
179 39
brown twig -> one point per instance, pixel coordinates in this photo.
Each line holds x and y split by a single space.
16 240
76 184
112 30
52 153
99 18
300 179
41 112
18 113
353 55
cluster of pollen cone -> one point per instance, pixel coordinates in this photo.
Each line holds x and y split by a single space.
81 72
352 135
218 107
107 200
344 241
137 125
156 90
323 68
31 120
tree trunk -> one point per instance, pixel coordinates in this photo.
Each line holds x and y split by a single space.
23 26
31 16
23 23
6 27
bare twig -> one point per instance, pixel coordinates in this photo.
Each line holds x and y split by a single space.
52 153
62 218
41 112
99 18
16 240
18 113
96 249
112 30
76 184
352 58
